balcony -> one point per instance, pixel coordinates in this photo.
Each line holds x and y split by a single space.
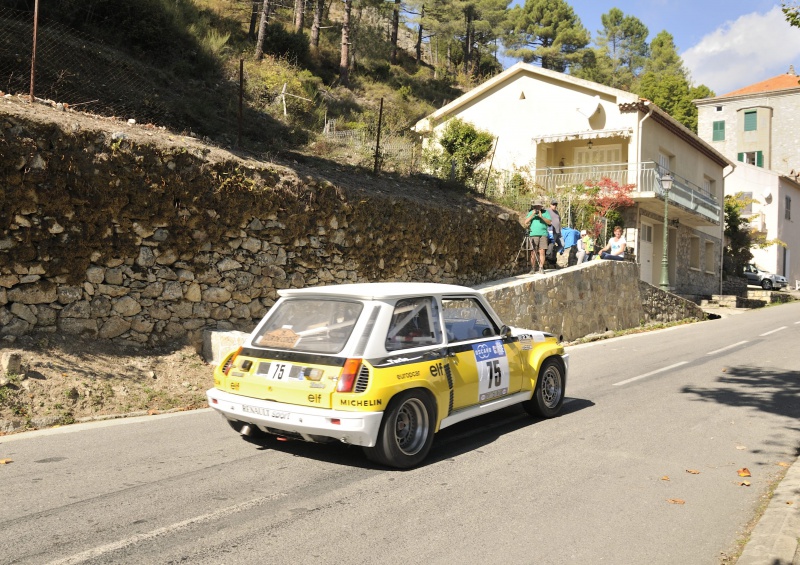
646 178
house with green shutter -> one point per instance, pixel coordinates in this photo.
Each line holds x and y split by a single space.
759 126
559 132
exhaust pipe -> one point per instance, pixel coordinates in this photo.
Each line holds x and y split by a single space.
246 430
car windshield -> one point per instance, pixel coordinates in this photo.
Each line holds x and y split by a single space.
310 325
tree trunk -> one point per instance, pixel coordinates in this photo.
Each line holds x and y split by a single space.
418 46
344 60
319 6
467 40
251 33
395 26
299 15
262 31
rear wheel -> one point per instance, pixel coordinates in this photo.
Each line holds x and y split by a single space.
406 433
766 284
548 396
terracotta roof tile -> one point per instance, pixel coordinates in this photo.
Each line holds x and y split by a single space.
779 82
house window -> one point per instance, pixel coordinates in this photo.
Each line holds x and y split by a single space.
694 253
752 158
719 108
664 162
708 187
647 233
750 120
747 197
709 257
719 131
788 214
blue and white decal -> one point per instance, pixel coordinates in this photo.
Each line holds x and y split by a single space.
493 372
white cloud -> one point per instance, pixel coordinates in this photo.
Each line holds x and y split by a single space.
753 48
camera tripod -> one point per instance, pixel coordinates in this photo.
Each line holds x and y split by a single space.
527 246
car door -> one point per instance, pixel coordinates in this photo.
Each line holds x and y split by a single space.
483 365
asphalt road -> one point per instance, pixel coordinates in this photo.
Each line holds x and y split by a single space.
591 486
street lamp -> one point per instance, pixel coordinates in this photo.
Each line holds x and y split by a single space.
666 184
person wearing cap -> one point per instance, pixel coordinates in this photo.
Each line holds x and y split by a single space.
537 221
587 244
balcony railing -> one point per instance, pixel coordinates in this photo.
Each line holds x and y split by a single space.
645 176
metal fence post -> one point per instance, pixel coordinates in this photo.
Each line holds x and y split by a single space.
378 139
33 51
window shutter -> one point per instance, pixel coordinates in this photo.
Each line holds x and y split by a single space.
750 120
759 159
719 131
740 157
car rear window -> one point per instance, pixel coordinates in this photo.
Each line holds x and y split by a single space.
309 325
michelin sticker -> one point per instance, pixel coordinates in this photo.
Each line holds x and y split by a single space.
493 372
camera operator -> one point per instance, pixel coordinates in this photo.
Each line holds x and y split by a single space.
537 221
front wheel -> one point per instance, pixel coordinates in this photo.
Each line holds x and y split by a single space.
548 396
766 284
406 433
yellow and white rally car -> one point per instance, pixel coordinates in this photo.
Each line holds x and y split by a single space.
384 366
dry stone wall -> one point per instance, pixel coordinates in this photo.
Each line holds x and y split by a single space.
129 235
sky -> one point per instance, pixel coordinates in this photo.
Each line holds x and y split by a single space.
725 44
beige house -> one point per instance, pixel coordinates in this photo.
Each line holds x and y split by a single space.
758 125
560 131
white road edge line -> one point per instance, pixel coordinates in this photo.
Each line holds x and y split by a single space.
221 513
773 331
650 374
726 348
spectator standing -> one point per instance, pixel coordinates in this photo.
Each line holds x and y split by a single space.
615 248
572 238
586 250
537 222
555 218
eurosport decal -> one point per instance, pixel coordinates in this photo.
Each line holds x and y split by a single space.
493 372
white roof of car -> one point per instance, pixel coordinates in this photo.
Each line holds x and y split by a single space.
370 291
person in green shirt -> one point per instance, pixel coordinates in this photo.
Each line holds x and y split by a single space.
537 221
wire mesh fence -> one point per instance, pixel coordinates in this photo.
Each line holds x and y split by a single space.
64 61
396 152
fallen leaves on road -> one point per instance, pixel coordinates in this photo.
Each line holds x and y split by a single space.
692 471
6 461
152 412
744 484
676 501
790 502
665 478
782 464
740 447
744 472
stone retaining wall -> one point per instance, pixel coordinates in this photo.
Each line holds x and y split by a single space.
115 235
590 298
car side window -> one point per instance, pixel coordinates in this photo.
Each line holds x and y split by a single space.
415 323
465 319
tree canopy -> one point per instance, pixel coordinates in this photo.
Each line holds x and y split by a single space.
547 32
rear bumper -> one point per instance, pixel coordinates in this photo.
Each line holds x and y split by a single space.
356 428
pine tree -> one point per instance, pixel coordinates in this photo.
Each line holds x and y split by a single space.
665 82
548 32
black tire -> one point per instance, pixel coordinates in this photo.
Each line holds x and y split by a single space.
548 396
766 284
406 433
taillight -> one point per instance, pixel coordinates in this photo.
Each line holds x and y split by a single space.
229 363
347 377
